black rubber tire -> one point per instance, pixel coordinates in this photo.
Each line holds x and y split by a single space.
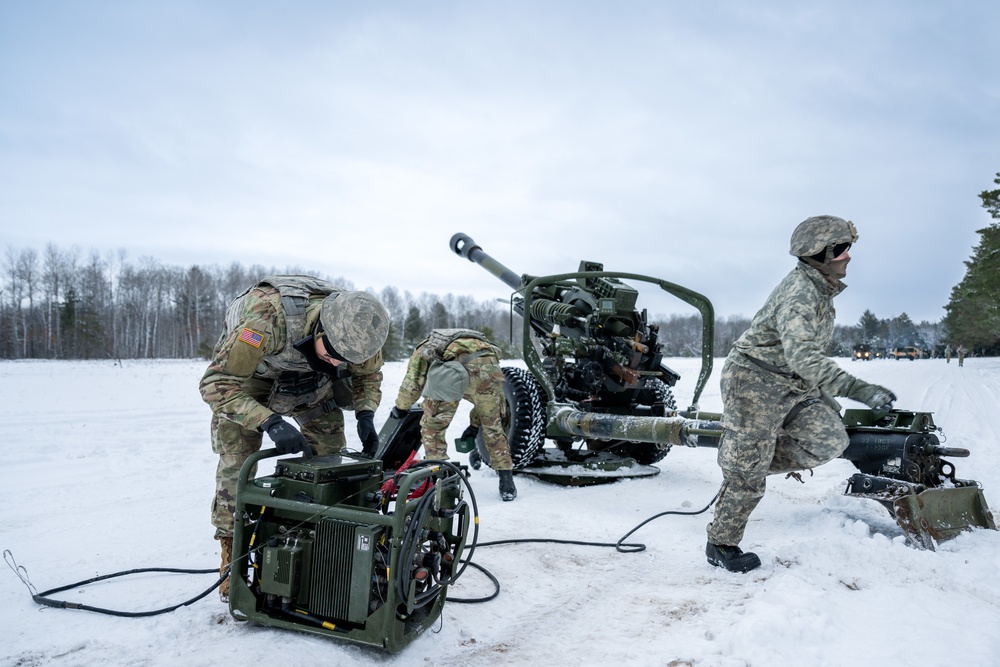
525 425
647 453
661 393
644 453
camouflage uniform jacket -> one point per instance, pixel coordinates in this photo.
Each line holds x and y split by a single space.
242 368
416 372
791 332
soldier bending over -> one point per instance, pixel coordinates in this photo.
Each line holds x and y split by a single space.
295 346
447 366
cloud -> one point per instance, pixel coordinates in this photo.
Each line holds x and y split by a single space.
664 138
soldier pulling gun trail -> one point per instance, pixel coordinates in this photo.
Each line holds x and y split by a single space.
596 387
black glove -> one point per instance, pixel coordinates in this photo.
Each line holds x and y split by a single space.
367 432
286 438
470 432
397 413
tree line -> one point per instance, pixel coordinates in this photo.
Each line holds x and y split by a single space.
57 305
681 335
60 304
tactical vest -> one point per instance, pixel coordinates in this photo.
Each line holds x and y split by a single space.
295 292
435 345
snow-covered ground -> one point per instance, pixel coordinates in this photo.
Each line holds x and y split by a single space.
107 467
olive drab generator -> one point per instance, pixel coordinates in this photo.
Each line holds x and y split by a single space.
597 390
342 547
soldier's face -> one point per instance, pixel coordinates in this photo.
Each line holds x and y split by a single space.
838 265
322 353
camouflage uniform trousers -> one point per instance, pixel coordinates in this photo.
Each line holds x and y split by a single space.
489 406
234 444
762 437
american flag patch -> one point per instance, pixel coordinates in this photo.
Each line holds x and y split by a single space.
251 337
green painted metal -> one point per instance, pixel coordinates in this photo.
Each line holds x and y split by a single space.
589 350
534 286
327 561
571 469
903 468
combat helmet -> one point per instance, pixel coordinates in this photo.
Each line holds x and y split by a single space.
355 324
819 233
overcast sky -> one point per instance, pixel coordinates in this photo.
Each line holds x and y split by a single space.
683 140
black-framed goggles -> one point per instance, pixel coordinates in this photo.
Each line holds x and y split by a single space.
326 343
840 249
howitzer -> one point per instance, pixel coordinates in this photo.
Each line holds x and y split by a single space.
597 387
902 467
595 383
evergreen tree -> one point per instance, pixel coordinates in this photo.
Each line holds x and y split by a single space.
67 320
904 332
395 347
973 313
991 199
439 316
414 329
869 327
393 350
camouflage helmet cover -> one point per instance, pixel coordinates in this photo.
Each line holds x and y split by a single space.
819 232
355 323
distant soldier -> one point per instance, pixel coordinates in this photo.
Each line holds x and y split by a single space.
961 354
296 346
779 415
447 366
947 354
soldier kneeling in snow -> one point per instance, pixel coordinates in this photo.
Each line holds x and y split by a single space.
778 385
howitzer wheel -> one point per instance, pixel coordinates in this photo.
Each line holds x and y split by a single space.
525 419
646 453
658 391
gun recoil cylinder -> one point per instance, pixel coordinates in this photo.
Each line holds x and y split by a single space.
554 312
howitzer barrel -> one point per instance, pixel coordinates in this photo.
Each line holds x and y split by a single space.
955 452
659 430
868 445
464 246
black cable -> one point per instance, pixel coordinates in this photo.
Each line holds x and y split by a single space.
619 546
43 599
460 476
704 509
411 538
423 505
475 521
410 544
496 587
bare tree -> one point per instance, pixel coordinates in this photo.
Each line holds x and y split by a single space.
14 289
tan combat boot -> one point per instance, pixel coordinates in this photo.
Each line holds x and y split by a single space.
226 546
